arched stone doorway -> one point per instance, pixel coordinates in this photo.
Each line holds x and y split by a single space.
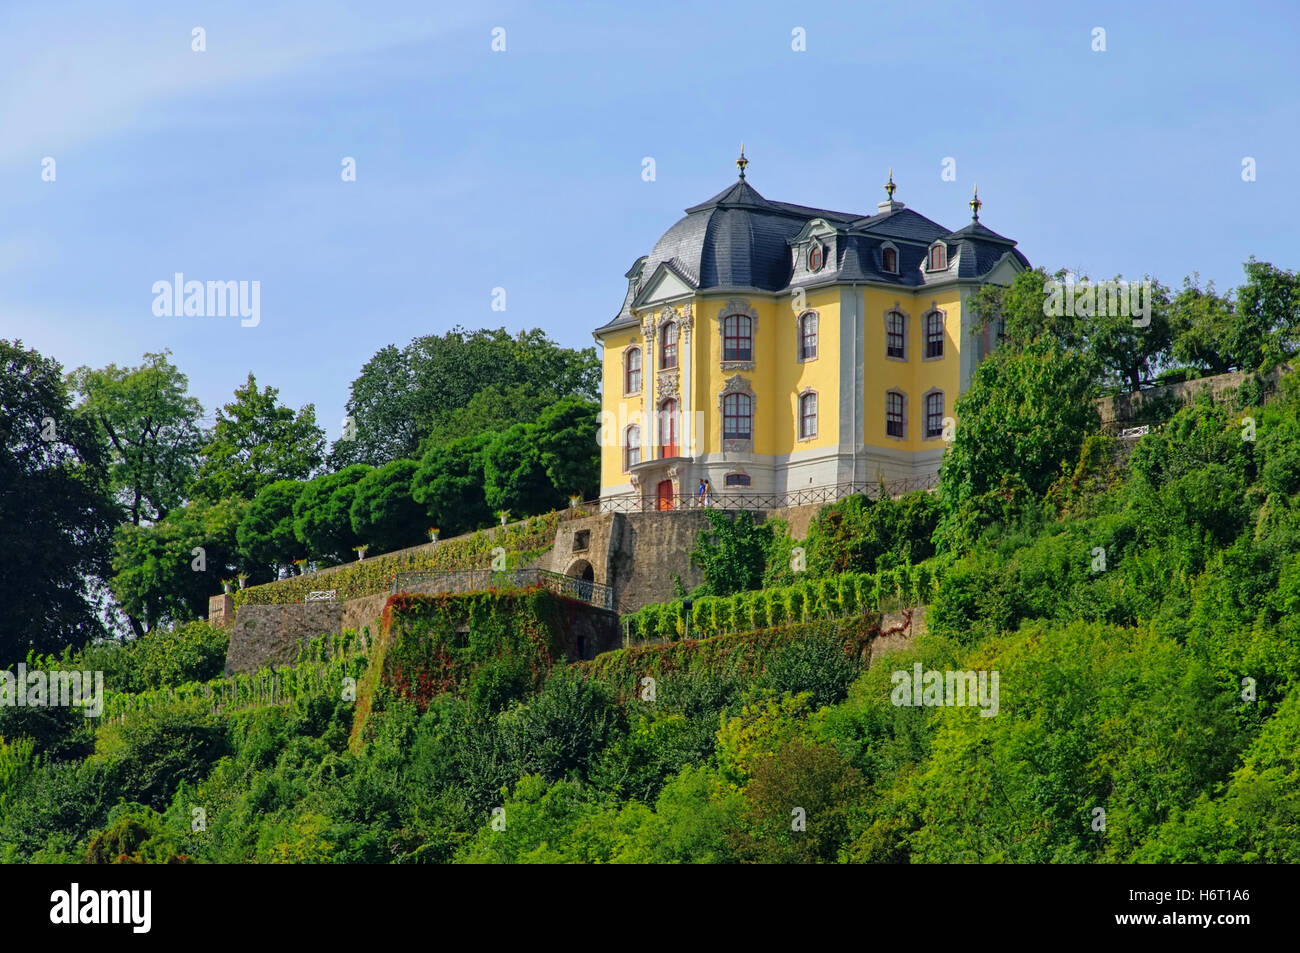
582 571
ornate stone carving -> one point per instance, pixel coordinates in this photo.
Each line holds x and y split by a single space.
735 384
665 384
738 306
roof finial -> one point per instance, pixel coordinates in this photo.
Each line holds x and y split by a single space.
889 186
742 161
975 204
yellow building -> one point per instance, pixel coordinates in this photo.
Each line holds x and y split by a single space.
772 348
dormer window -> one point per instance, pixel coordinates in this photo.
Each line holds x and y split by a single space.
889 260
816 256
938 259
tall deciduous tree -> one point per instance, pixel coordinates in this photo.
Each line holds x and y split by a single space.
322 514
56 510
566 441
152 429
1025 414
402 398
384 514
1125 353
166 572
449 484
256 441
265 535
1202 323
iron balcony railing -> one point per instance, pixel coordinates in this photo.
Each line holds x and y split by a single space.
733 498
479 580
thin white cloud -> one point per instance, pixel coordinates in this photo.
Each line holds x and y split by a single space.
69 78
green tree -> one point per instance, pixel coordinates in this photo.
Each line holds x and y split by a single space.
257 441
1268 313
384 514
514 475
449 484
322 514
566 443
56 510
1202 327
265 534
732 553
408 399
166 572
1025 414
1122 353
862 534
151 427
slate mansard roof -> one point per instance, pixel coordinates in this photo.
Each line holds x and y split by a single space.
740 241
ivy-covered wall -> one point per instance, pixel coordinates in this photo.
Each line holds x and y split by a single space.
430 644
524 543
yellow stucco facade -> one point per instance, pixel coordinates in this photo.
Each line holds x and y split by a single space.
782 349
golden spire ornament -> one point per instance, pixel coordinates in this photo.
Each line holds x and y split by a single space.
975 204
742 161
889 186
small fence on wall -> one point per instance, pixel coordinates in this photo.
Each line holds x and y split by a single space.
733 498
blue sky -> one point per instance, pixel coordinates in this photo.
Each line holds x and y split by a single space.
522 169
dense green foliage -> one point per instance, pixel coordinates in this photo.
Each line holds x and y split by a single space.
56 509
810 598
439 388
1138 603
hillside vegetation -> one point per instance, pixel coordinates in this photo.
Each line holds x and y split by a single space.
1141 611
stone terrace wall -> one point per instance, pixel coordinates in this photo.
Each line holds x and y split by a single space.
1123 408
265 636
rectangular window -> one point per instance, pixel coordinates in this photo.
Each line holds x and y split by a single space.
668 354
808 338
633 383
736 479
737 338
894 414
934 335
894 339
808 415
934 415
736 417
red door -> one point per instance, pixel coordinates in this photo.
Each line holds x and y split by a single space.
666 494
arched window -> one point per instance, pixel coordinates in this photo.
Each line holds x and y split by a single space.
668 347
737 338
889 256
632 371
896 335
938 259
934 414
807 415
737 417
895 414
668 428
631 447
736 479
808 336
933 335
